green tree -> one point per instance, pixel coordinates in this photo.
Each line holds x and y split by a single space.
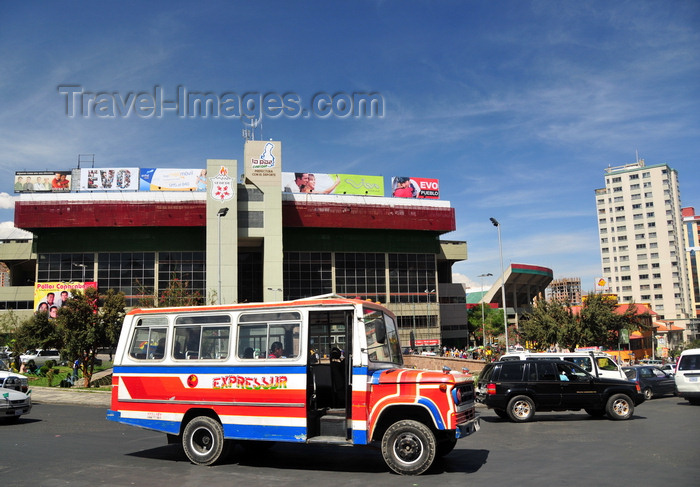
544 324
598 323
112 316
37 331
86 327
493 321
178 293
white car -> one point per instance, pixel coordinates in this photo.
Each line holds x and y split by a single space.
10 380
13 403
688 375
670 369
41 356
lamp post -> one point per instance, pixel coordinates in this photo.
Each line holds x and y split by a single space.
275 291
427 318
503 278
83 267
483 325
220 214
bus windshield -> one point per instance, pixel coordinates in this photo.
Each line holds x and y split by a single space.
390 350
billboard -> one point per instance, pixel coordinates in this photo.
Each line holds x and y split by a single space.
263 162
406 187
42 181
153 179
49 296
321 183
109 179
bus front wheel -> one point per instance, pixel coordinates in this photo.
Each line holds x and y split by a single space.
409 447
203 440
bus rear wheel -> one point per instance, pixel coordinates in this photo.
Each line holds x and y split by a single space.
203 441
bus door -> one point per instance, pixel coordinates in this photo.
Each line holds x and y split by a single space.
329 376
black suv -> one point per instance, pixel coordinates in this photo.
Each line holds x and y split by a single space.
516 389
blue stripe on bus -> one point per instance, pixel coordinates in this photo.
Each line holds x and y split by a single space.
172 427
433 410
208 369
294 434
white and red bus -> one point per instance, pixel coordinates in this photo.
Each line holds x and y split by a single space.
318 370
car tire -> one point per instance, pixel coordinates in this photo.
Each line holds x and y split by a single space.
619 407
409 447
203 441
521 409
648 393
501 413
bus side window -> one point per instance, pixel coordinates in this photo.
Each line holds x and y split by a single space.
148 343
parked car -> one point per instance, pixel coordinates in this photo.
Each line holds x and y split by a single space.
516 389
10 380
653 381
669 368
599 364
41 356
14 403
688 375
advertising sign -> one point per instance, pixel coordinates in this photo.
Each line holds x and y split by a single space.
406 187
109 179
153 179
49 296
42 181
263 162
321 183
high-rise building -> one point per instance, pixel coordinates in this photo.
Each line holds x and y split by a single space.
641 239
691 223
567 289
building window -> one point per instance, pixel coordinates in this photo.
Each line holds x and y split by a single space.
307 274
188 267
360 275
132 273
66 268
410 275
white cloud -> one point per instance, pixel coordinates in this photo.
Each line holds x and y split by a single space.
7 202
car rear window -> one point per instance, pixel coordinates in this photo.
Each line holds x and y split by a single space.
511 372
689 362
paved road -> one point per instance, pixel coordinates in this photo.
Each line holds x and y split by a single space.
70 444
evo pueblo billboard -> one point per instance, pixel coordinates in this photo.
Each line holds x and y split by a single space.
407 187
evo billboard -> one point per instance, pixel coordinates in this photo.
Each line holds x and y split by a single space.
407 187
109 179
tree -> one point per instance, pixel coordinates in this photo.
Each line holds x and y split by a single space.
178 293
493 321
597 323
112 316
37 331
543 325
86 328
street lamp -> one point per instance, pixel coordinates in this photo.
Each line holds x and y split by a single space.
483 325
221 213
275 291
428 293
81 265
503 278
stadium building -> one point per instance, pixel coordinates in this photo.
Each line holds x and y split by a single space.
262 236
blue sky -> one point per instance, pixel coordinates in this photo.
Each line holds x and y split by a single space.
516 107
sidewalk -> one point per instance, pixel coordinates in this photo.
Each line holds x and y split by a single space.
57 395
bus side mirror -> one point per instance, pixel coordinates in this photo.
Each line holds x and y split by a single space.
380 331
